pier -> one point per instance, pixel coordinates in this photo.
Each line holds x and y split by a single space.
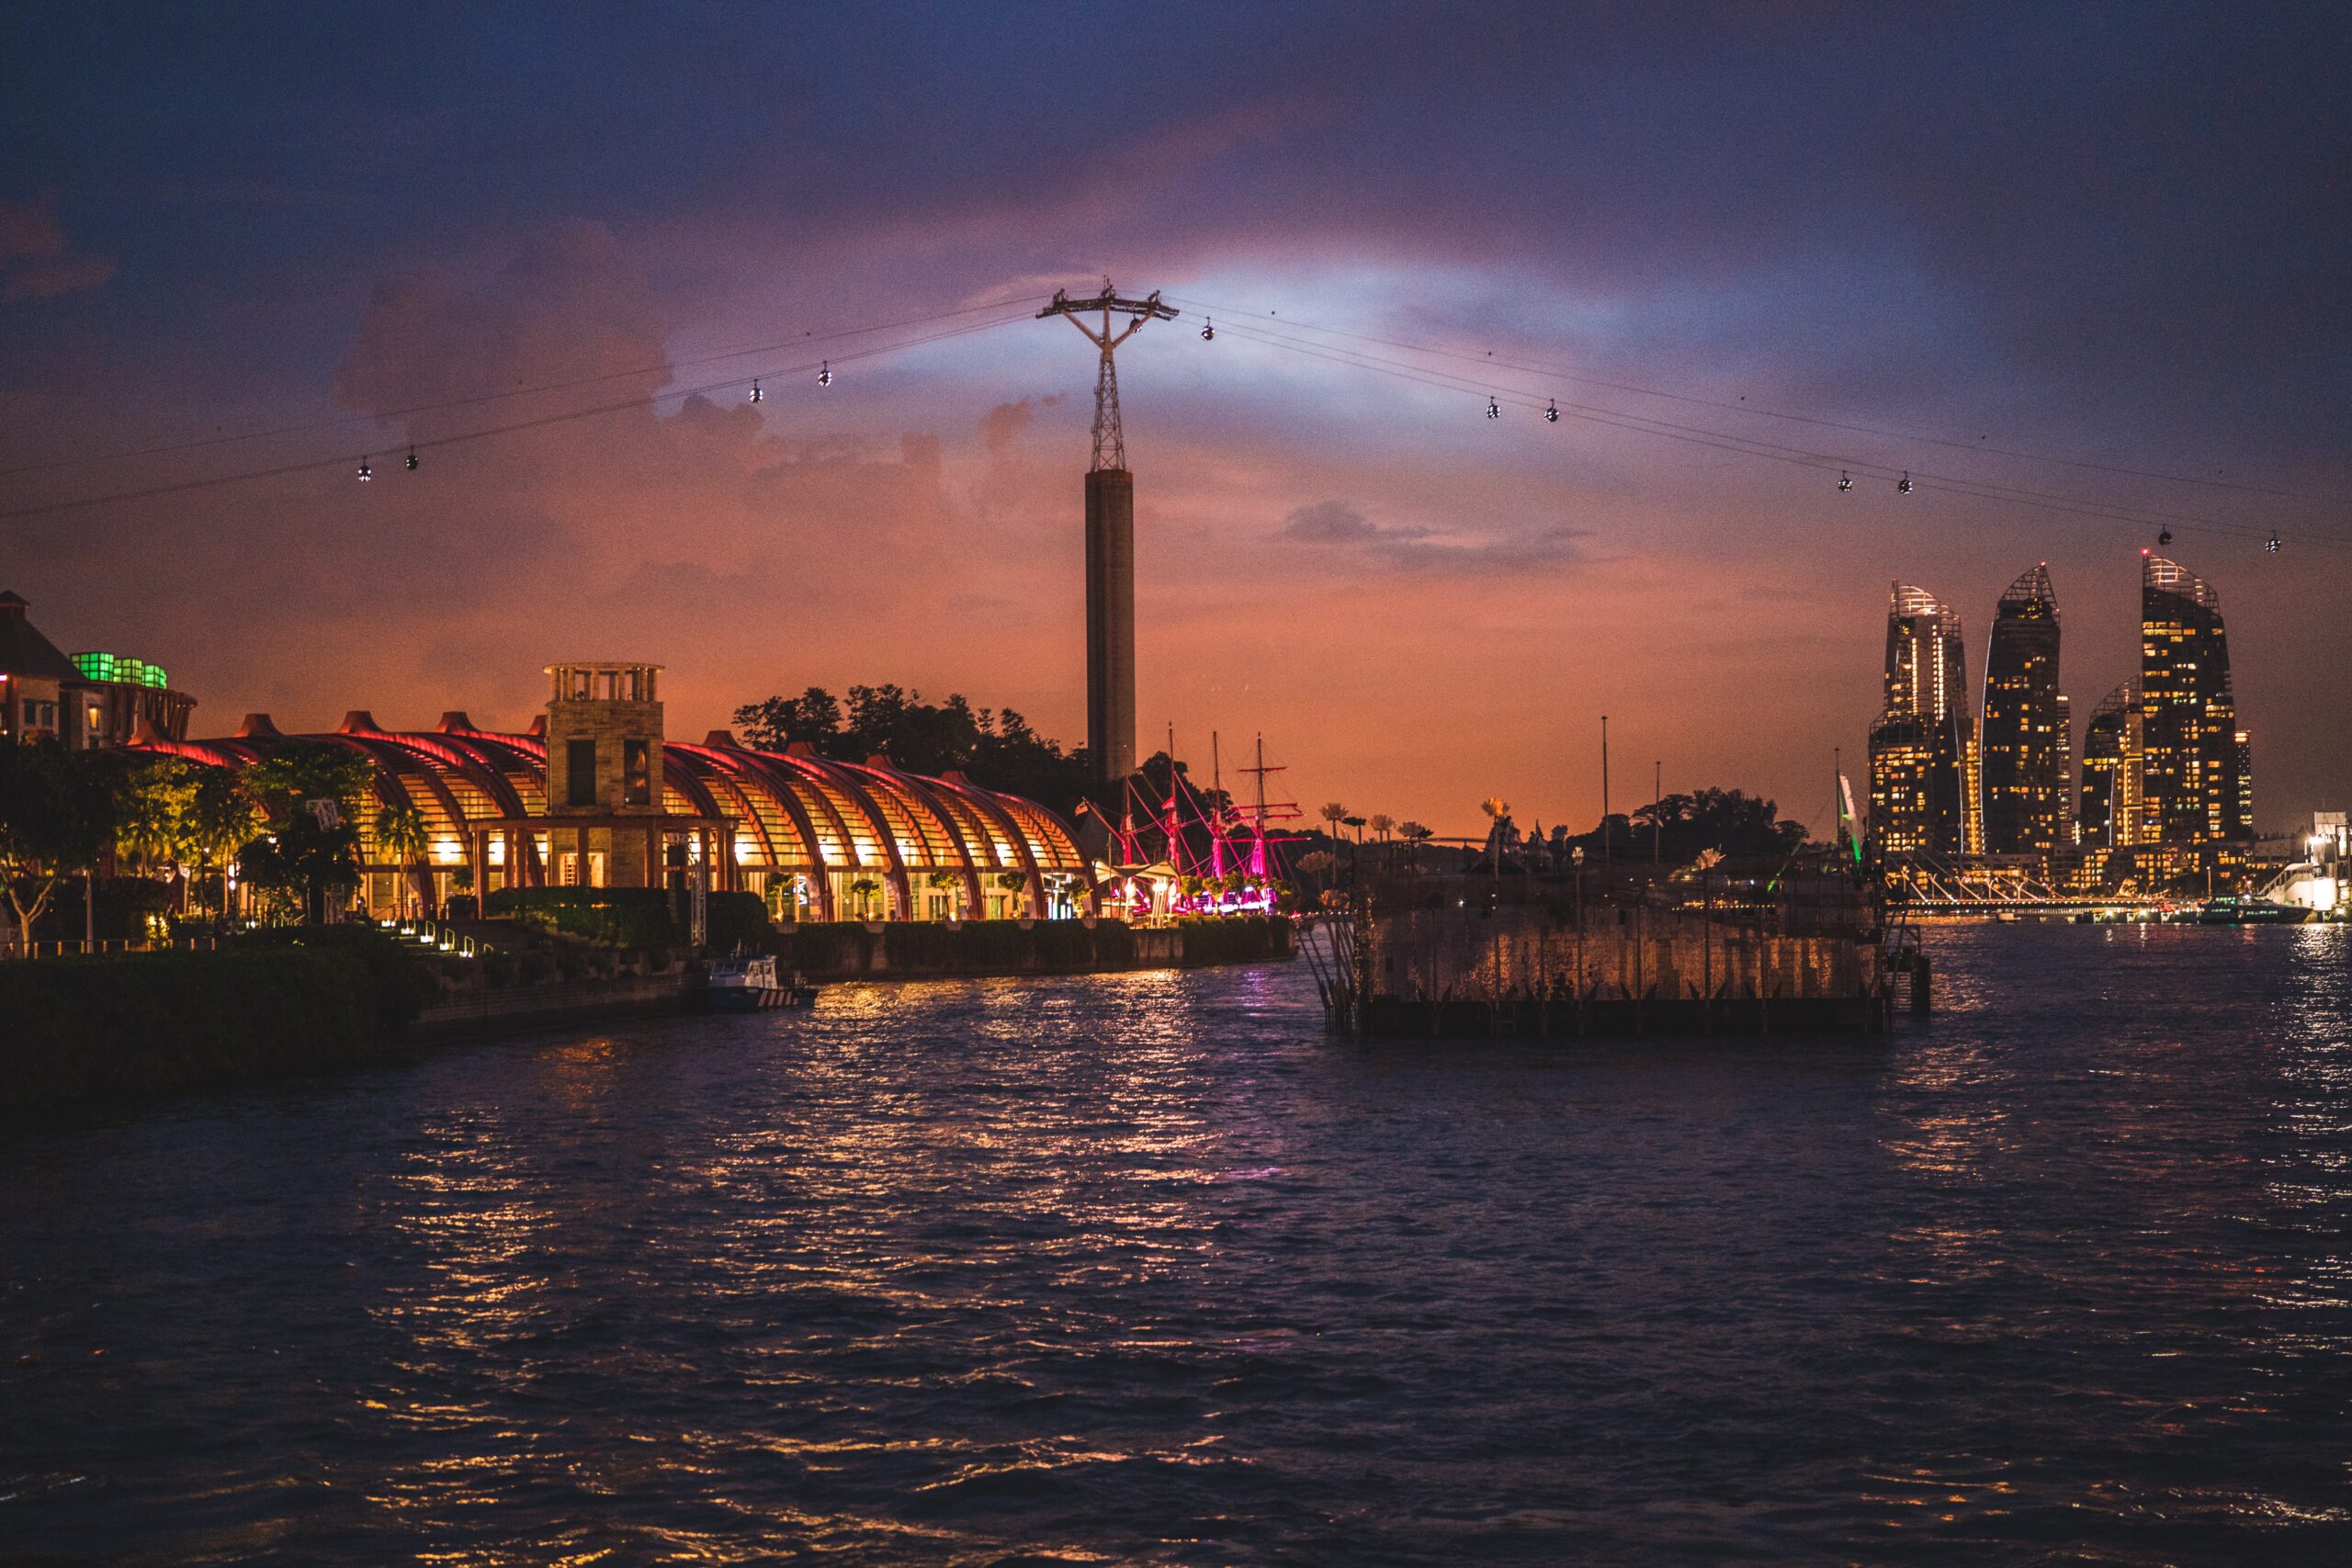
1542 958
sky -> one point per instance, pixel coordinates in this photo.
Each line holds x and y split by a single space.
2060 261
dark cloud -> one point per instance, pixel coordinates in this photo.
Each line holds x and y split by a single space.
1329 522
42 261
1413 547
29 229
570 310
62 275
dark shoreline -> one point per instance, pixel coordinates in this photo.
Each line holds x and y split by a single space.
89 1032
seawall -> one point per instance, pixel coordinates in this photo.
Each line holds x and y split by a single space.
126 1026
877 950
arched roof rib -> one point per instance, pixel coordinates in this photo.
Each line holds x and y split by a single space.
807 808
991 850
756 803
890 859
825 811
920 826
863 838
962 855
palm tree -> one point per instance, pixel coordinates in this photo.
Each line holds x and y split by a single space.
1497 811
222 818
866 887
402 839
152 807
1414 835
1334 813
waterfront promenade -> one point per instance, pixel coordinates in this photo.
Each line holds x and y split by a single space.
1147 1267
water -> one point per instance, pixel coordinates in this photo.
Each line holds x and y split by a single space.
1143 1268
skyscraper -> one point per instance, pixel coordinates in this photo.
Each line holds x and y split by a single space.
1923 748
2190 776
2027 775
2111 758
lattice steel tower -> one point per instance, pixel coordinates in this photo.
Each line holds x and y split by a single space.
1110 538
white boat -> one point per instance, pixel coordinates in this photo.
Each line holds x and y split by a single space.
748 984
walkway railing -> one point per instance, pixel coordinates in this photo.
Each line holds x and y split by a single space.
438 935
9 949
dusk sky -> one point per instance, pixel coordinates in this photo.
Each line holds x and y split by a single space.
2115 235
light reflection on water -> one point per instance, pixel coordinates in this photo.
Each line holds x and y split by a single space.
1143 1267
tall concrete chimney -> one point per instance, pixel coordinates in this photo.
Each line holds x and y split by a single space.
1111 622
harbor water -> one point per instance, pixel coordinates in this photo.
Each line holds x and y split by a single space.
1145 1267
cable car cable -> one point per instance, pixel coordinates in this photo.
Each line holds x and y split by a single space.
673 365
653 401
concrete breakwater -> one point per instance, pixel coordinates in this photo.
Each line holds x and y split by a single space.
486 1013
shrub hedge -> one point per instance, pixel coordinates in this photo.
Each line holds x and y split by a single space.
624 917
635 917
126 1025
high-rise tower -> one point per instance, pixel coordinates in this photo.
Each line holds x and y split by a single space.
1923 748
2189 788
1110 539
2026 780
2112 759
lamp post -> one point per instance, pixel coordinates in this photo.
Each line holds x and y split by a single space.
1576 857
1657 800
1607 857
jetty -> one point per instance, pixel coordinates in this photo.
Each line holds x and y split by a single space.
1545 957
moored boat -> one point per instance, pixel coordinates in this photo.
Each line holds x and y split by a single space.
2228 911
750 984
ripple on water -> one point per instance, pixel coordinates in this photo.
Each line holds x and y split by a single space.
1145 1267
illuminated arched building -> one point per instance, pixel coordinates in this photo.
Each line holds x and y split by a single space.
821 839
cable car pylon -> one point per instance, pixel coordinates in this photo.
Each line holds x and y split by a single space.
1110 535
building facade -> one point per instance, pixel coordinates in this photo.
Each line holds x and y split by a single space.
86 701
1923 748
2027 777
2190 789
